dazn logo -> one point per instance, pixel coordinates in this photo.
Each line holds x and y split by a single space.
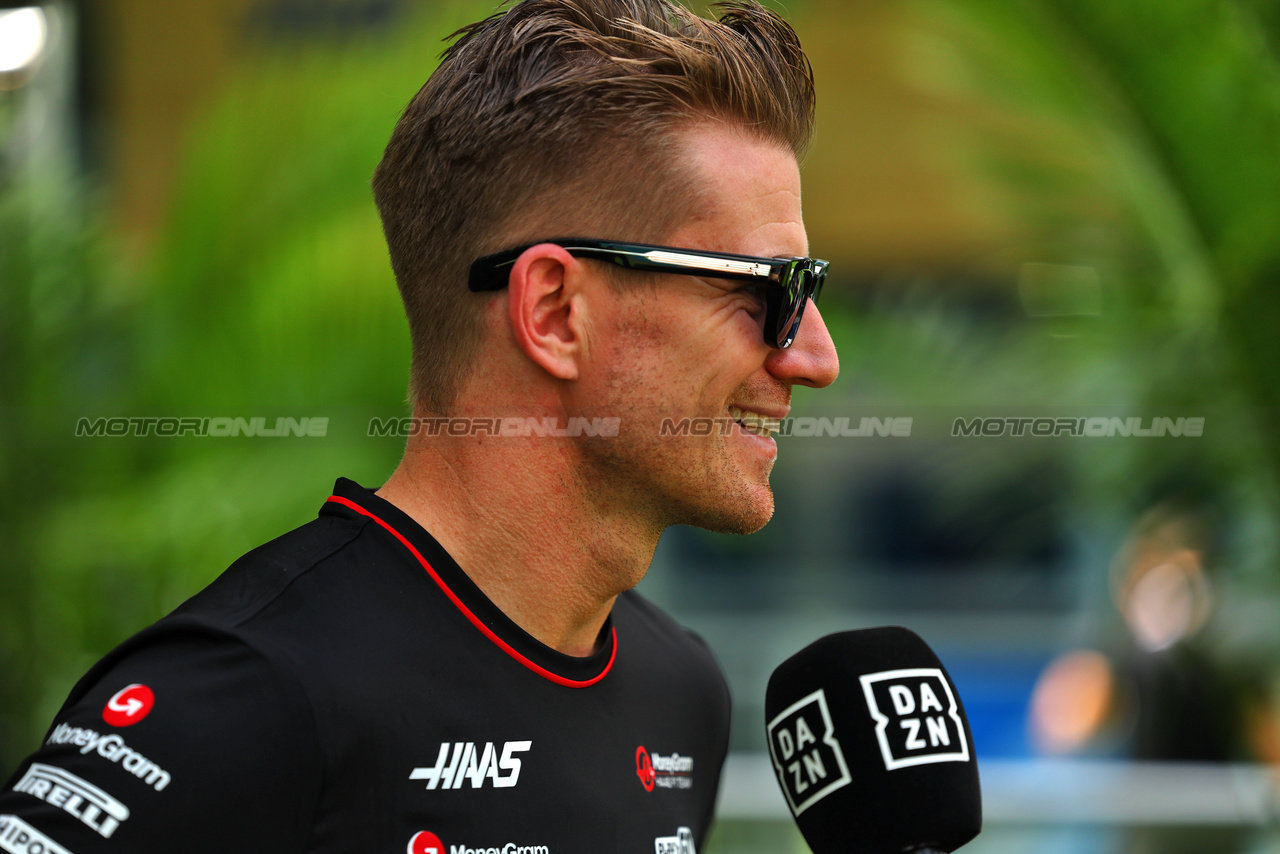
917 717
806 754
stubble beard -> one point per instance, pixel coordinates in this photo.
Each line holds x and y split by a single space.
667 480
675 480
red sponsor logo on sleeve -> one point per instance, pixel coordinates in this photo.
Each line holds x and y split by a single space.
425 842
644 768
129 705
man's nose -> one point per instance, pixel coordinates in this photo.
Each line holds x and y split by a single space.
811 359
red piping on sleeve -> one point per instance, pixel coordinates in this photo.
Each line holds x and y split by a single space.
476 621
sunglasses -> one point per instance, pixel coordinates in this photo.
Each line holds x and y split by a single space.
789 282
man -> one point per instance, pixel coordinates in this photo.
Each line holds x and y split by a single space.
363 685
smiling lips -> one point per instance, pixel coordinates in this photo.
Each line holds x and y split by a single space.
754 422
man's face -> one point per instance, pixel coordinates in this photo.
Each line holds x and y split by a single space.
690 347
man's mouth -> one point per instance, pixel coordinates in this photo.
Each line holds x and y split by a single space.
754 422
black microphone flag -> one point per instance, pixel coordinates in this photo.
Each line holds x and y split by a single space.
871 746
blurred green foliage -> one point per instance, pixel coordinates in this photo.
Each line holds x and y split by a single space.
269 294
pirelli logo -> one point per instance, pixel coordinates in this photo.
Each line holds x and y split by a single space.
64 790
18 837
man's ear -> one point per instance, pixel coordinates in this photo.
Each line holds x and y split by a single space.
547 308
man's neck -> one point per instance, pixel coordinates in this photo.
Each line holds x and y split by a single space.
522 525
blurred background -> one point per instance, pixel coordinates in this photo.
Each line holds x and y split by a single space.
1034 209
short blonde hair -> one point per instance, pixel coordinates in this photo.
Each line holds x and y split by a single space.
563 114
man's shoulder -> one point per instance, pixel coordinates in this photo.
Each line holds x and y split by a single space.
217 616
263 574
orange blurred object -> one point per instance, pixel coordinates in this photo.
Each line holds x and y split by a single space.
1071 701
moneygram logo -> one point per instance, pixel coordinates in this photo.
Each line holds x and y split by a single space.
670 771
644 768
806 755
426 842
917 717
113 749
471 763
130 705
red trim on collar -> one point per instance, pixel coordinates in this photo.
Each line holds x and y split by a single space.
476 621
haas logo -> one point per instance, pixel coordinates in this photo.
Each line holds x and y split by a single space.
129 705
917 719
806 755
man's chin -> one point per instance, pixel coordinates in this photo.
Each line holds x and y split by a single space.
748 513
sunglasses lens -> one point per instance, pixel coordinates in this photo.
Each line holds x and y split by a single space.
796 289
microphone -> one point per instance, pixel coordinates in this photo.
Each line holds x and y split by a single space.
872 747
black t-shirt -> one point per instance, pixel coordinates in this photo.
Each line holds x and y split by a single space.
347 688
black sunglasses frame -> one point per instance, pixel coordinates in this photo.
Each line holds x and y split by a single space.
792 281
